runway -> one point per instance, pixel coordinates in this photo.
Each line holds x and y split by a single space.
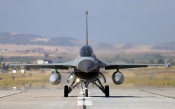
121 98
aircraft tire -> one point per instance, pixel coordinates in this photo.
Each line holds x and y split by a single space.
107 91
86 92
66 91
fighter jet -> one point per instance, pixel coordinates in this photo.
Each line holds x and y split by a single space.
86 69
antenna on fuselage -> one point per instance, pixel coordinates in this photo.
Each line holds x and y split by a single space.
86 27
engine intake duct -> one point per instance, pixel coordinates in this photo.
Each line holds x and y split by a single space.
90 76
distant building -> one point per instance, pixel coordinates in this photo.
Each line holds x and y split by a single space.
22 71
14 71
43 61
40 62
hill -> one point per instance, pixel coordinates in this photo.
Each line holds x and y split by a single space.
29 47
30 39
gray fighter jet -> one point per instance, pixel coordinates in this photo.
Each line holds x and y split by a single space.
87 70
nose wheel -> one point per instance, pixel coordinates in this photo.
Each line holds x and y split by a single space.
86 92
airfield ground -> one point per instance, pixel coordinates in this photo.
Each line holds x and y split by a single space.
145 88
120 98
149 76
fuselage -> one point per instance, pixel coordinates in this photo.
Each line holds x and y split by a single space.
87 64
87 61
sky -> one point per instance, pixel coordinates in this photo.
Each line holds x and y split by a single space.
110 21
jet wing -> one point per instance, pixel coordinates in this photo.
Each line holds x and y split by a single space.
123 66
64 66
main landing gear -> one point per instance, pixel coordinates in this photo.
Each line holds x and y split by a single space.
97 82
105 89
66 91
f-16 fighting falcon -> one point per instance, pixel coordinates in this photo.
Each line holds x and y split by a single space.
86 69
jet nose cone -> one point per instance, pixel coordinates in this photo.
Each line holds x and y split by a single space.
85 65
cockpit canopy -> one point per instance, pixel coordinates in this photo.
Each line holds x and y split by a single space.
86 51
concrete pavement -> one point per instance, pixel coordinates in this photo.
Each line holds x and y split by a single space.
123 98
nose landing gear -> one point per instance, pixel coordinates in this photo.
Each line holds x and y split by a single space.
86 92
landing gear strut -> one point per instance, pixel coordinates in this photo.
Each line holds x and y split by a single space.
96 82
105 89
67 89
86 92
86 88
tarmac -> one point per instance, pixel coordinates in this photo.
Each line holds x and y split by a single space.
120 98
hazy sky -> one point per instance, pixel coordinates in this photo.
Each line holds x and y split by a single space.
110 21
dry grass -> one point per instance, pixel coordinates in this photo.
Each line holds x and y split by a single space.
151 76
10 50
28 79
72 51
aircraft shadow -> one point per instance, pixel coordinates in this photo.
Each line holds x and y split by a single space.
118 96
73 96
113 96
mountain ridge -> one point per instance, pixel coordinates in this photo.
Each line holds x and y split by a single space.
31 39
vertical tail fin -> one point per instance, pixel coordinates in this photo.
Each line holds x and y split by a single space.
86 27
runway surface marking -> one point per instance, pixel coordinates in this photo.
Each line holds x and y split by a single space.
124 98
157 94
12 94
84 101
